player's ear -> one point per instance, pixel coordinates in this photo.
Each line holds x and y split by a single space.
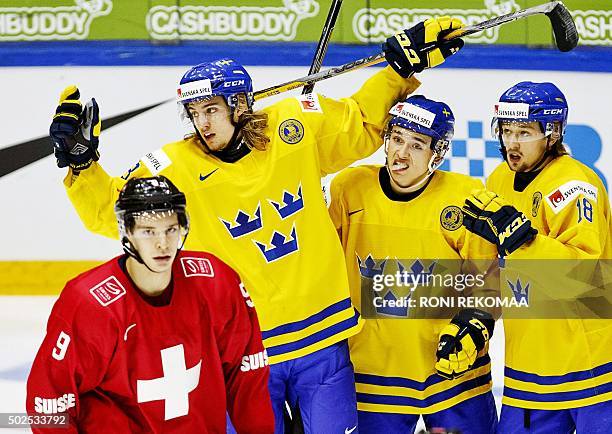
241 107
555 136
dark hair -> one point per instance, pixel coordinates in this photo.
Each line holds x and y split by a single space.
558 148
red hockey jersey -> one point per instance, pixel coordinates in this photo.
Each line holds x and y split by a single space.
118 362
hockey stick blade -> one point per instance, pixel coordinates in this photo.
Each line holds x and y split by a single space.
564 28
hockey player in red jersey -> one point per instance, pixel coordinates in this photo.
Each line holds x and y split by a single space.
157 340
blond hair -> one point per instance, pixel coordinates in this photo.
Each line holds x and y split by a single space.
253 129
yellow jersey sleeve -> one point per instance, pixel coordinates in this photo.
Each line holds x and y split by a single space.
349 129
93 192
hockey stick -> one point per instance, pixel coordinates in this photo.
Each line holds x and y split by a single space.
561 21
564 29
328 28
319 76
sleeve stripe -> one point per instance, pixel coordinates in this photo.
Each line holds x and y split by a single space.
558 379
557 396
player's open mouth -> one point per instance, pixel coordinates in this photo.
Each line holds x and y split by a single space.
515 158
399 166
208 136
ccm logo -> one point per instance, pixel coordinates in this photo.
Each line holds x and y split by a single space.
553 112
233 83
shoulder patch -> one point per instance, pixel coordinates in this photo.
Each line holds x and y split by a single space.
291 131
197 267
535 203
156 161
108 291
561 196
310 103
451 218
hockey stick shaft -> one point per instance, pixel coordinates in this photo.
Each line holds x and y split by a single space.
328 29
566 38
319 76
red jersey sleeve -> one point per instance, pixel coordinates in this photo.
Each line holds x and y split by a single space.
244 359
71 361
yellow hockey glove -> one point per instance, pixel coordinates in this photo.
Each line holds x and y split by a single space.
461 340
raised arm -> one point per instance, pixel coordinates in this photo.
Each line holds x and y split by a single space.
350 129
75 134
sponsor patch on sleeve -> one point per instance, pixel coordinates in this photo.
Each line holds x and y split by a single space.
197 267
565 194
310 103
108 291
156 161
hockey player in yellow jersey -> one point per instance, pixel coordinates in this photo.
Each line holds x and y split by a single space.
402 216
543 204
253 182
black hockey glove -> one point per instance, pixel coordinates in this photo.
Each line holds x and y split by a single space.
461 340
75 130
420 47
489 216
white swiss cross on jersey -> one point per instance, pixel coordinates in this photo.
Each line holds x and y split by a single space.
175 384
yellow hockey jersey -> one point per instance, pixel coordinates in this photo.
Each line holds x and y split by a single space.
394 358
265 215
556 364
